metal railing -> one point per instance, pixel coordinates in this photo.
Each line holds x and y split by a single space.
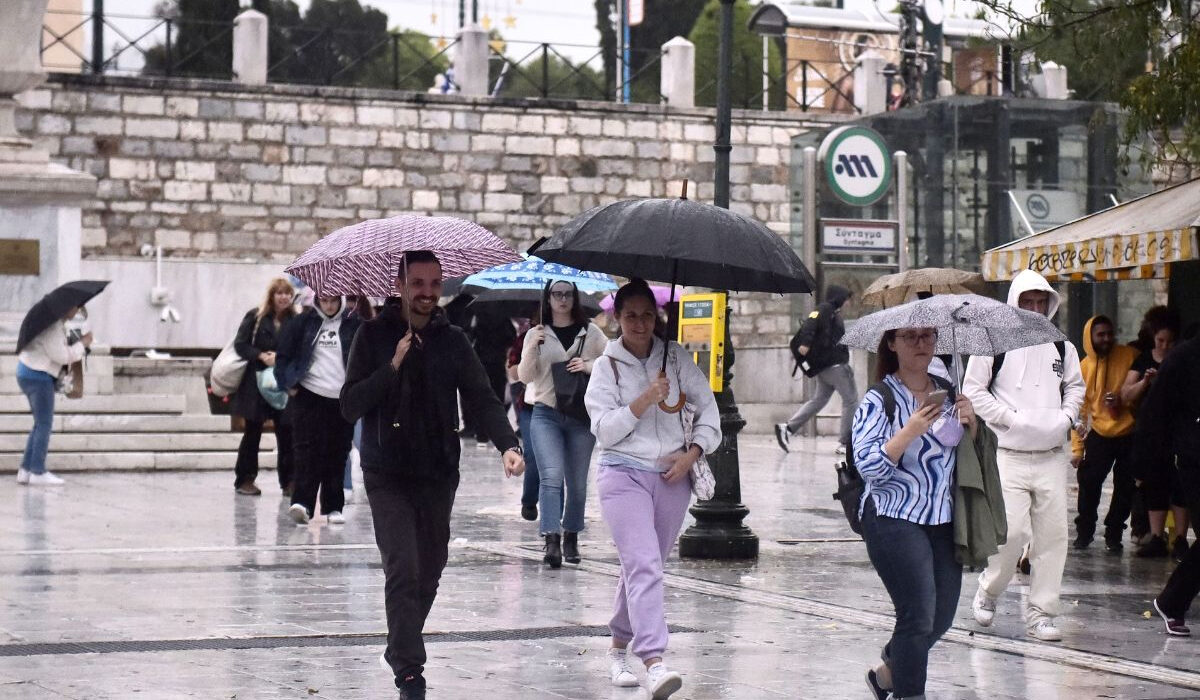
779 96
542 69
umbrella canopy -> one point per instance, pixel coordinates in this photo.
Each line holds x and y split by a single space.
681 242
968 324
524 303
365 258
54 307
533 273
903 287
662 296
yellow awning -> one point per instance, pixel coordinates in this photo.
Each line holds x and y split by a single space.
1135 240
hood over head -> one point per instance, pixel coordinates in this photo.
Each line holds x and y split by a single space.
321 312
837 295
1030 281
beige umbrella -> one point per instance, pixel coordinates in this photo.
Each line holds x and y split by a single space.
903 287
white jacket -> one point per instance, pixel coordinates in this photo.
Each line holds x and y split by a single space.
649 439
535 368
48 352
1036 396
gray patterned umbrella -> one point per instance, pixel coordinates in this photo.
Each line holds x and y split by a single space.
967 324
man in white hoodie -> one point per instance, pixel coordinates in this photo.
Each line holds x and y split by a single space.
1030 397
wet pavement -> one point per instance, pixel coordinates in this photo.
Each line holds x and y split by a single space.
167 585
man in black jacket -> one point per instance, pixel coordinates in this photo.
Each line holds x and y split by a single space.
403 380
1168 428
816 350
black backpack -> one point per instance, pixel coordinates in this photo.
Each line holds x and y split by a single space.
849 481
998 360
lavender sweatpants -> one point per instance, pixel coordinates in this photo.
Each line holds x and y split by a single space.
645 514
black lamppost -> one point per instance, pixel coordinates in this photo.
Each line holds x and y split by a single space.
719 532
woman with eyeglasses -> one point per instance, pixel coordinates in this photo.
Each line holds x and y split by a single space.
904 448
561 436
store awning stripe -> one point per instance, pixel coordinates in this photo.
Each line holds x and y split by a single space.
1130 256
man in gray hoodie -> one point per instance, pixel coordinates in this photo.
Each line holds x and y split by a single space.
1030 397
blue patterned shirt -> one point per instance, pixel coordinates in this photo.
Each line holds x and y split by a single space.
919 489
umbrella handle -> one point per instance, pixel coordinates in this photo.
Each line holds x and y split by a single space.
668 408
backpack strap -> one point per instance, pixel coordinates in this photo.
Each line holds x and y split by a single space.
998 360
888 397
616 372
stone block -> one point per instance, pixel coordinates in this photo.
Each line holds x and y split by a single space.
380 159
174 149
225 131
275 153
185 191
637 188
383 177
529 145
375 116
97 102
610 148
172 238
768 193
552 184
231 192
132 169
435 119
245 151
394 198
361 196
425 200
41 100
65 101
451 143
264 132
304 174
760 135
499 123
652 149
258 172
467 121
318 156
614 128
144 104
238 240
127 207
767 156
556 126
193 131
93 238
135 147
53 124
182 107
480 162
497 182
564 147
304 195
585 126
306 136
531 123
101 126
392 139
195 170
524 183
699 132
173 208
287 112
344 176
248 109
215 108
642 129
501 202
353 137
682 153
78 145
587 185
350 156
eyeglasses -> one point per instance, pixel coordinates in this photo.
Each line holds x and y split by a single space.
929 337
561 296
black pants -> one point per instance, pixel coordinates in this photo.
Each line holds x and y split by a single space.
246 469
321 442
412 529
1184 584
1103 455
498 378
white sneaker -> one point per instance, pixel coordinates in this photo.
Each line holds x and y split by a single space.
1045 630
662 683
44 479
984 608
840 449
299 513
622 676
336 518
783 436
22 475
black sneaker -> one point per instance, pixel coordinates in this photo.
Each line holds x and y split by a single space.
1179 549
1175 625
411 687
1155 548
873 683
783 436
1113 546
1082 542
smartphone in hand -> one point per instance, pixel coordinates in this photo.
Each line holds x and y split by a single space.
936 398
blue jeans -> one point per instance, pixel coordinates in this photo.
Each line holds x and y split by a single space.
564 453
918 568
529 491
38 387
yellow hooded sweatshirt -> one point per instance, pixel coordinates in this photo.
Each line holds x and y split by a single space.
1103 375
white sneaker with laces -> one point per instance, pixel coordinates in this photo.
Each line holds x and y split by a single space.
336 518
662 683
619 672
22 475
299 513
840 449
783 436
984 608
1045 630
44 479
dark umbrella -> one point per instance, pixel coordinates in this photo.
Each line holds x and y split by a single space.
681 242
524 303
54 307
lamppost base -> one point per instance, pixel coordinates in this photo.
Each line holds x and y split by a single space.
718 533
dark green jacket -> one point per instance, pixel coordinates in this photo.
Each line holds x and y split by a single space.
979 523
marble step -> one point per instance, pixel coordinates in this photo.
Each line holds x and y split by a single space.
120 423
135 442
137 461
112 403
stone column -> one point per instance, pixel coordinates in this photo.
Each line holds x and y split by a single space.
471 61
40 201
678 75
250 48
870 84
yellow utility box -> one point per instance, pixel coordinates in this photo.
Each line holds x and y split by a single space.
702 333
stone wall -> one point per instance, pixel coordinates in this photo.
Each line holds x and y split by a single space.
225 171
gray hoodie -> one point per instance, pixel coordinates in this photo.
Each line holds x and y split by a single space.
646 441
1035 398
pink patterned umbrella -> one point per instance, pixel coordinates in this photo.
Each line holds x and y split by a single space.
365 258
662 295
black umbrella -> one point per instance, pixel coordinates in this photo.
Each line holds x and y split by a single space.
524 303
54 307
681 242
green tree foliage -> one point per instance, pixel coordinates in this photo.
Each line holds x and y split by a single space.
664 20
547 74
201 39
410 61
746 67
1141 54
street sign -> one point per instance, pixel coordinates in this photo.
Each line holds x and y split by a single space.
858 236
857 164
637 12
1048 208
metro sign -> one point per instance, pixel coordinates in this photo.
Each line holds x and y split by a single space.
857 164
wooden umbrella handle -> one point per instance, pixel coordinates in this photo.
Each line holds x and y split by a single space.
667 408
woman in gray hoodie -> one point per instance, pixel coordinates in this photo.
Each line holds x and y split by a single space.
644 473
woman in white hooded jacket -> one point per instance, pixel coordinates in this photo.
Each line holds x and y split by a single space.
644 473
